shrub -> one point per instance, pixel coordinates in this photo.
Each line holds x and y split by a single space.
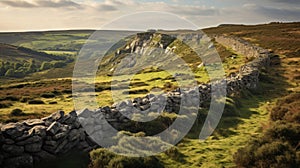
102 158
46 65
48 95
5 104
287 108
36 102
174 154
12 98
16 112
266 154
24 99
58 64
53 102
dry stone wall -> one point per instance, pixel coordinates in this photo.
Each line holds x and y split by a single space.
24 143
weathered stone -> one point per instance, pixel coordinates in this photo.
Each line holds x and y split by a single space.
137 100
30 140
42 155
35 147
13 130
53 128
19 162
85 113
58 116
8 141
69 119
38 130
105 109
13 149
76 124
50 149
33 122
51 143
73 114
74 134
24 136
70 145
59 135
61 146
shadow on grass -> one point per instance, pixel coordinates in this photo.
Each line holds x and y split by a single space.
238 107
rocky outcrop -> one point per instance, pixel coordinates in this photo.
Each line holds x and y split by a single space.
24 143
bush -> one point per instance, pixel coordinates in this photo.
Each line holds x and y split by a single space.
102 158
266 154
48 95
59 64
174 153
46 65
36 102
5 104
11 98
279 145
16 112
24 99
287 108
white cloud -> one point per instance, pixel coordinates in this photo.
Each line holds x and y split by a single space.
65 14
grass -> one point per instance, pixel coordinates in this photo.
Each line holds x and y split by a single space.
251 108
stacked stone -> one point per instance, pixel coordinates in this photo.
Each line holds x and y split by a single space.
24 143
247 77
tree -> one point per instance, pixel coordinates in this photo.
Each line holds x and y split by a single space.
46 65
32 67
17 65
10 73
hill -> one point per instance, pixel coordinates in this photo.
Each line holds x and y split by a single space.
20 61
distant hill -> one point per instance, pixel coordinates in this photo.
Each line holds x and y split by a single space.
19 54
20 61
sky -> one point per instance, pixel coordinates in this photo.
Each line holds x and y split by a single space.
33 15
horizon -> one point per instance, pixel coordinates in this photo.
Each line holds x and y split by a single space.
87 29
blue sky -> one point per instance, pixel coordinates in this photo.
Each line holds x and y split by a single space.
25 15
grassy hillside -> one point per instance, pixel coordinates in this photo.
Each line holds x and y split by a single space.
246 115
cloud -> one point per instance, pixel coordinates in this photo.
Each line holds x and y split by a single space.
278 13
41 3
194 10
22 4
286 1
104 7
77 14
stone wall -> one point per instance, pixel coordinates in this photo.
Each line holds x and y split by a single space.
24 143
